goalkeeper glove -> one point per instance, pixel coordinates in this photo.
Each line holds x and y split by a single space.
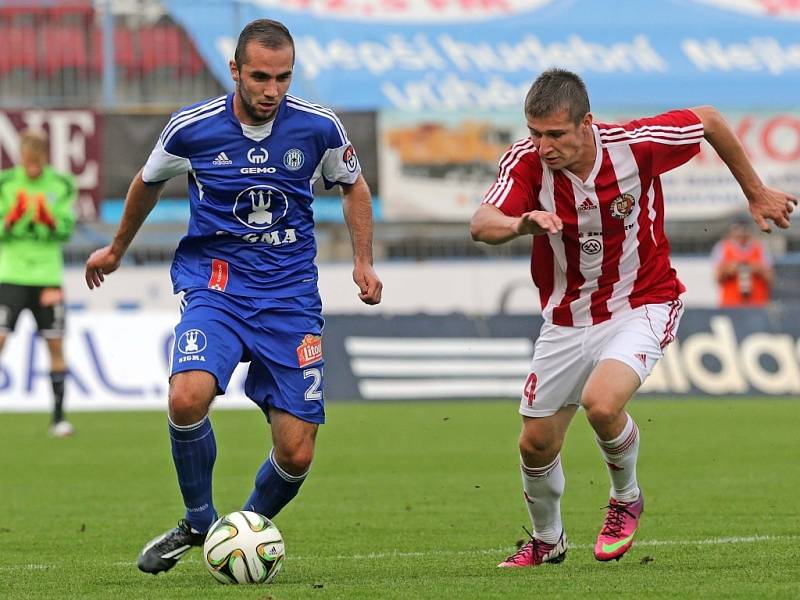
19 209
43 214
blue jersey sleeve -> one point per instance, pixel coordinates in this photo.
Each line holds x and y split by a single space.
340 163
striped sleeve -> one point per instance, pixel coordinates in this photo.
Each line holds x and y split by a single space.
519 176
671 138
170 157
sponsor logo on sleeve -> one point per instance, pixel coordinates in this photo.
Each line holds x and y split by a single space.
350 159
310 350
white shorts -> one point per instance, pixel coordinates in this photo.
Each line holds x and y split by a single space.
564 357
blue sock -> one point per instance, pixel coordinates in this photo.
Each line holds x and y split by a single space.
194 450
274 488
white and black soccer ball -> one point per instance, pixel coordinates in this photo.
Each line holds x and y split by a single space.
244 547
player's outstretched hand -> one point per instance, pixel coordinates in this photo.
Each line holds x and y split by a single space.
100 263
538 222
370 287
773 204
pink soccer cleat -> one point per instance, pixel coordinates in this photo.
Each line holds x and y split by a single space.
536 552
617 533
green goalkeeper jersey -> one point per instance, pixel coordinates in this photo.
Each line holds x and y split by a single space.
37 217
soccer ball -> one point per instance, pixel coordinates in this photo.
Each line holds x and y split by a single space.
243 547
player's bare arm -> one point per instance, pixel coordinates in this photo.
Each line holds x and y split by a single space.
766 203
139 202
490 225
357 207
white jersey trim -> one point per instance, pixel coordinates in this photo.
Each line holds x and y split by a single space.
666 142
653 128
194 119
498 193
187 114
663 134
316 109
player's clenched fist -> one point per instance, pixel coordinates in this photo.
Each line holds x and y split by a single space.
369 285
101 262
538 222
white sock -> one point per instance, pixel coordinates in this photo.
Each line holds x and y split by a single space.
543 488
620 455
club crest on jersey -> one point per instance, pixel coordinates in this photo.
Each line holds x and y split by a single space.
310 350
293 159
192 341
350 159
622 206
260 206
257 156
591 246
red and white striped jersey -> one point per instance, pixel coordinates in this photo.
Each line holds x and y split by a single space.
612 254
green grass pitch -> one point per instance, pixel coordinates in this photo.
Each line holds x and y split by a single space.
412 500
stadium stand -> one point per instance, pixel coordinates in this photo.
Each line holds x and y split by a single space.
54 56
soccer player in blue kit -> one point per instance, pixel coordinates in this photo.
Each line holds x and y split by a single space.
246 267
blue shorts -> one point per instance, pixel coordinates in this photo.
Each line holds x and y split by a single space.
281 337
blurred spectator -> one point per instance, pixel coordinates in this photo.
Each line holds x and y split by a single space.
36 211
743 266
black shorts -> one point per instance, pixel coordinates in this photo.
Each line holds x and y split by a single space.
46 304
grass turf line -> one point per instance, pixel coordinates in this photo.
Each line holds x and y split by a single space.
411 500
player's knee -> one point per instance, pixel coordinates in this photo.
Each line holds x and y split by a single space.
186 406
600 413
536 451
295 459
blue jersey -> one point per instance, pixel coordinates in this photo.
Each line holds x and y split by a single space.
251 227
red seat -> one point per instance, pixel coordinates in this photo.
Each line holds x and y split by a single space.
21 47
70 8
5 57
194 64
124 50
11 11
160 48
64 48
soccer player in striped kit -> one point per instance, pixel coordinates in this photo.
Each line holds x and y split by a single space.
590 195
246 267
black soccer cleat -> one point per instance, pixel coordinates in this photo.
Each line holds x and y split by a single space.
162 553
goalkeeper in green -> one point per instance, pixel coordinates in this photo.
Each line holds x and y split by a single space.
36 212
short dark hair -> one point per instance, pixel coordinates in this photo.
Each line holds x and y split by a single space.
556 90
268 33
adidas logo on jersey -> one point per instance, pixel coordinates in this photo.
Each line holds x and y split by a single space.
587 205
221 160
